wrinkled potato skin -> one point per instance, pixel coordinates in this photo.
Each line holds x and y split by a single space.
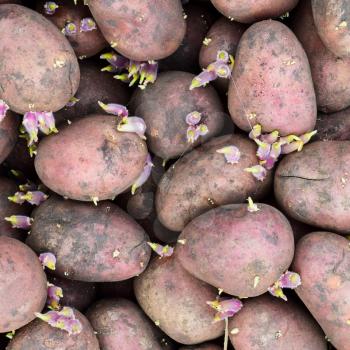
313 186
330 74
201 347
141 30
328 15
170 295
203 174
23 288
8 135
249 11
333 127
90 158
95 233
121 324
262 318
271 82
164 107
38 335
323 261
228 247
47 80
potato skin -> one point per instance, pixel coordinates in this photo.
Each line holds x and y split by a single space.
202 179
333 127
84 237
90 158
249 11
47 80
38 335
170 295
323 261
267 323
23 288
164 106
313 186
141 29
8 134
330 74
271 82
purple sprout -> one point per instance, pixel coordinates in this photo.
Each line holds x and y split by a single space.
232 154
48 260
20 221
50 7
258 171
87 25
225 308
290 280
162 251
69 29
147 169
115 109
54 294
3 109
133 124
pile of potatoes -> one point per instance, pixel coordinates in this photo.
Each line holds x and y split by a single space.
152 223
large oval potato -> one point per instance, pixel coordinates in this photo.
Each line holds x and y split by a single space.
47 80
23 288
121 324
92 244
267 323
313 186
241 252
90 158
8 134
203 179
271 82
176 301
141 30
333 127
164 106
323 261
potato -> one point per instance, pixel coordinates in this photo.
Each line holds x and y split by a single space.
323 261
121 324
271 82
313 186
90 159
22 285
253 10
141 30
203 179
333 127
85 44
38 335
330 74
176 301
8 134
91 244
331 22
39 70
201 347
267 323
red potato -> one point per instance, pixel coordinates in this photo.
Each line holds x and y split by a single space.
8 134
141 30
333 127
90 159
23 288
271 83
323 261
47 80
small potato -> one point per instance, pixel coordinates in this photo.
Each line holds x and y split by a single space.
121 324
313 186
323 261
271 82
39 70
201 347
141 30
8 134
23 288
38 335
203 179
90 159
267 323
176 302
91 244
333 127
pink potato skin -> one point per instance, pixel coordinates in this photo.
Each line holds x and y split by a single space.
23 288
141 29
313 186
333 127
171 296
271 82
90 158
323 261
8 134
267 323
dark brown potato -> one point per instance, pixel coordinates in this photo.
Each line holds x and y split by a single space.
23 288
267 323
141 30
91 244
90 158
323 261
38 335
333 127
8 134
47 80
